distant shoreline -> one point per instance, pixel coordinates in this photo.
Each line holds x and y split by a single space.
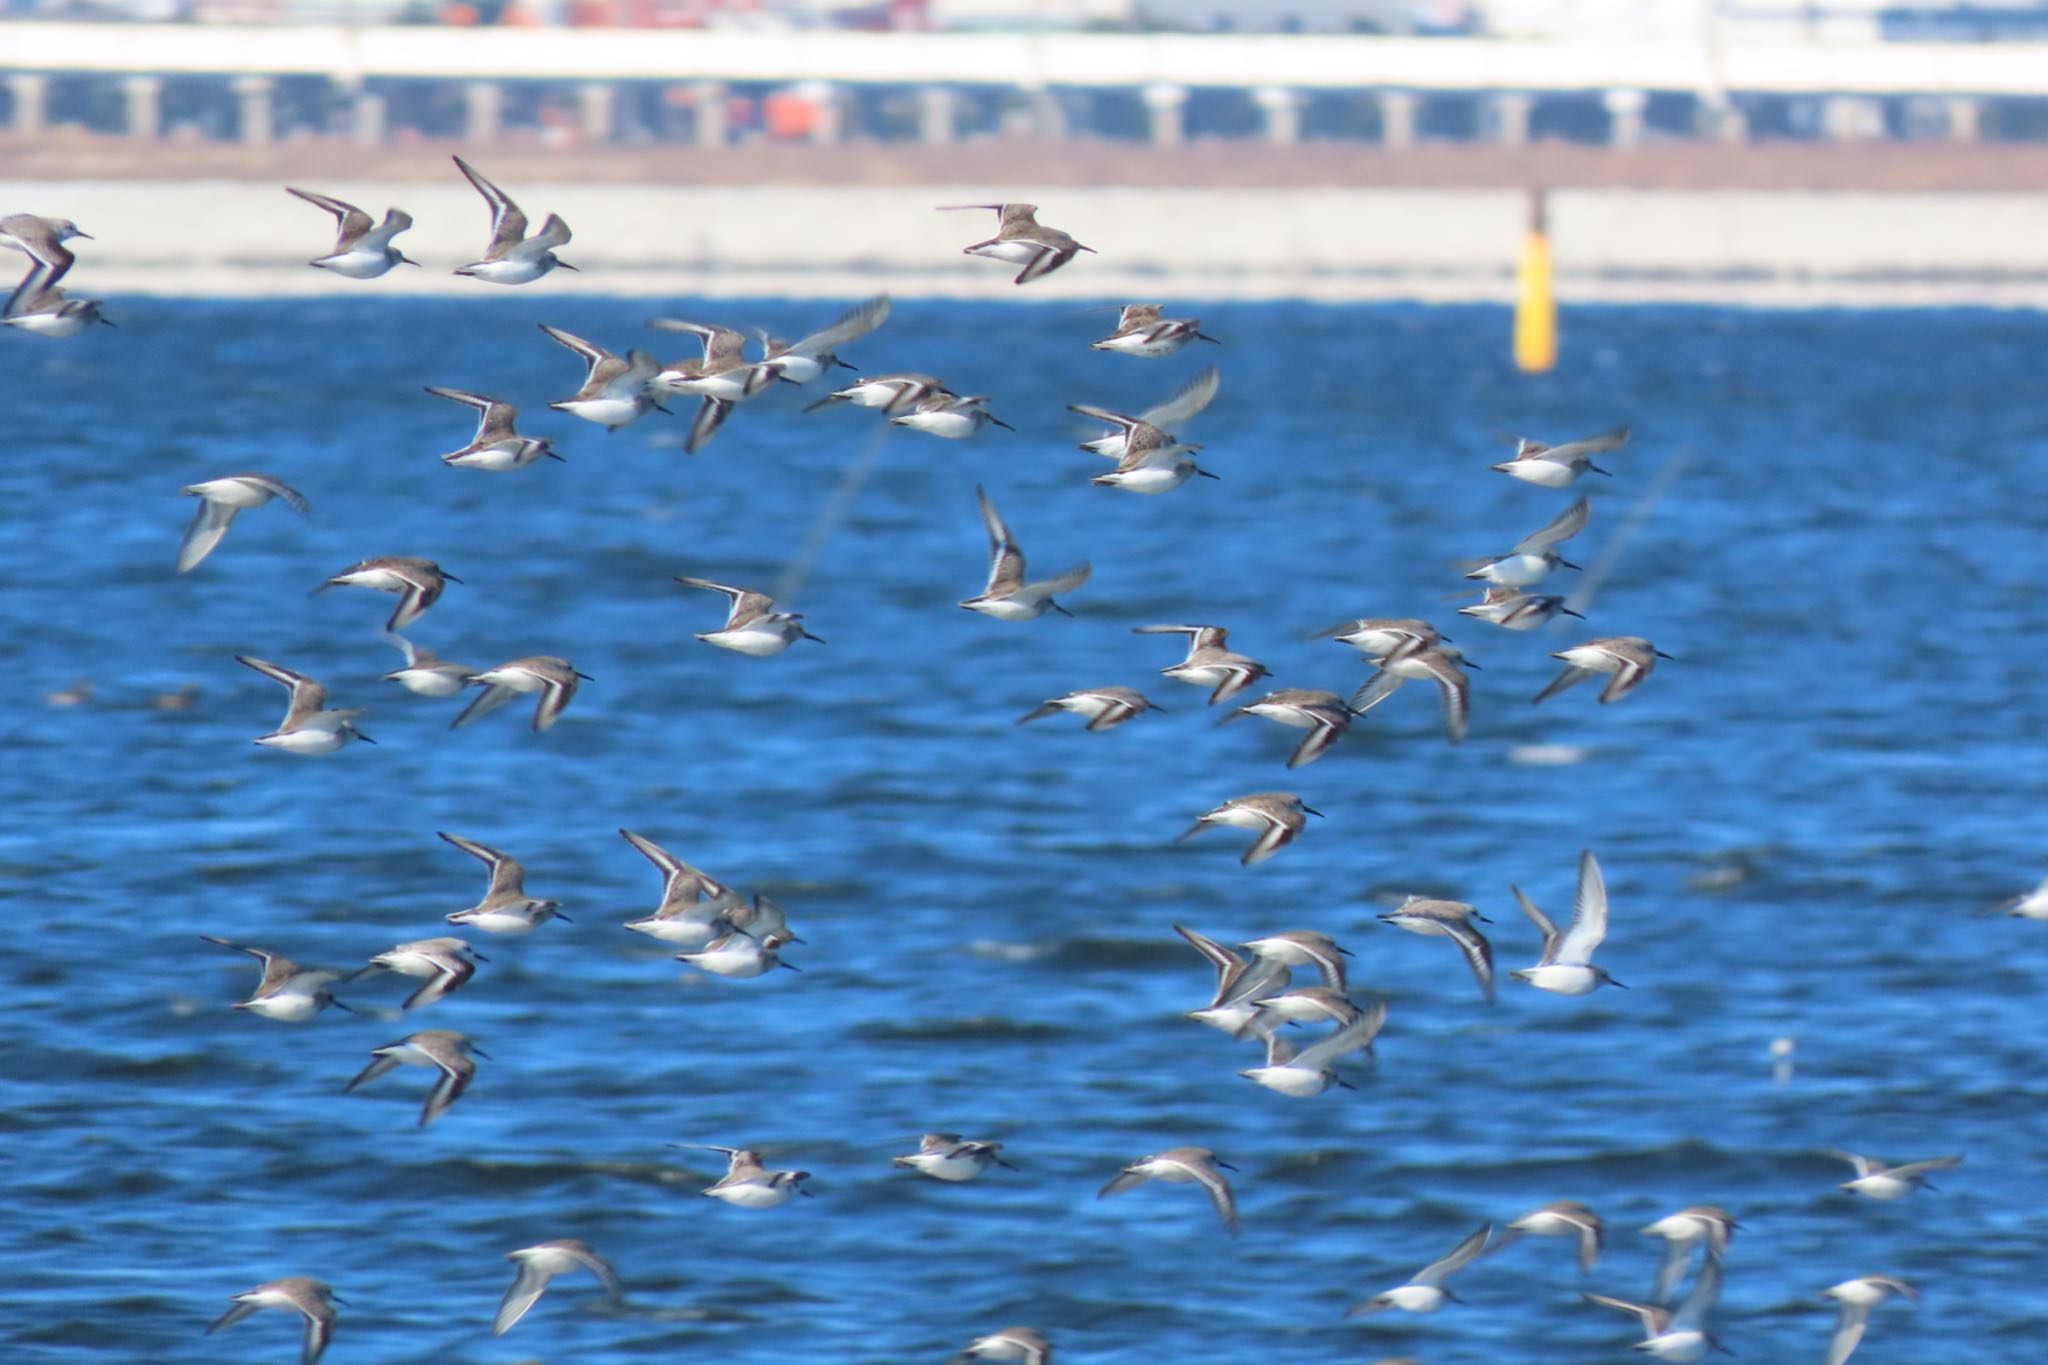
1747 248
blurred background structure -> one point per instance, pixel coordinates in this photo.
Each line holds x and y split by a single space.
714 73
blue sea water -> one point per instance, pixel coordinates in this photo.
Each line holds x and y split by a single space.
1799 817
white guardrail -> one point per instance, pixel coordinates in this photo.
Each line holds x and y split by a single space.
1023 60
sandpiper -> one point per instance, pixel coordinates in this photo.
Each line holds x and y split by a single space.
301 1294
747 1184
1856 1299
505 908
1304 1005
445 1050
1176 1166
1104 707
41 308
1183 403
496 446
1628 657
287 992
1875 1180
308 726
1277 816
513 257
1425 1292
1381 638
1564 1218
446 963
949 416
1152 462
1310 1071
219 502
1560 465
1441 664
1452 920
1535 555
1566 966
1681 1336
1705 1225
1518 610
1021 240
1210 663
752 625
693 904
742 954
892 393
723 377
1238 981
1008 597
1142 330
419 584
1025 1345
362 249
801 361
1304 948
42 238
944 1156
427 674
555 678
615 388
539 1264
1323 714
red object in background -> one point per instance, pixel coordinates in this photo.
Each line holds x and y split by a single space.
912 15
789 118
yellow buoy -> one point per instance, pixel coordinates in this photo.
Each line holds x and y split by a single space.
1535 303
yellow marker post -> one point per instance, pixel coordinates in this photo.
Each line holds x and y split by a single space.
1535 303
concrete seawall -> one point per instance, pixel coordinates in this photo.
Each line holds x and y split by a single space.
1612 245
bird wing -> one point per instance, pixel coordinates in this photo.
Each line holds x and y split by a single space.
852 325
1564 526
1006 557
1848 1332
711 415
1219 1191
1652 1317
1355 1036
351 222
592 353
1540 920
525 1291
1478 952
1437 1272
1572 676
508 224
1589 913
457 1071
1185 401
507 876
210 522
1693 1311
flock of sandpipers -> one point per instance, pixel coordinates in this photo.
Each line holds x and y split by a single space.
728 934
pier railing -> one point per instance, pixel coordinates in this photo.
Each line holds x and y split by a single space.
1046 82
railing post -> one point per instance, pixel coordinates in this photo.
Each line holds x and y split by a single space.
1166 106
597 104
1397 119
144 98
935 113
30 95
707 113
1281 108
258 114
482 103
1625 117
1511 113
